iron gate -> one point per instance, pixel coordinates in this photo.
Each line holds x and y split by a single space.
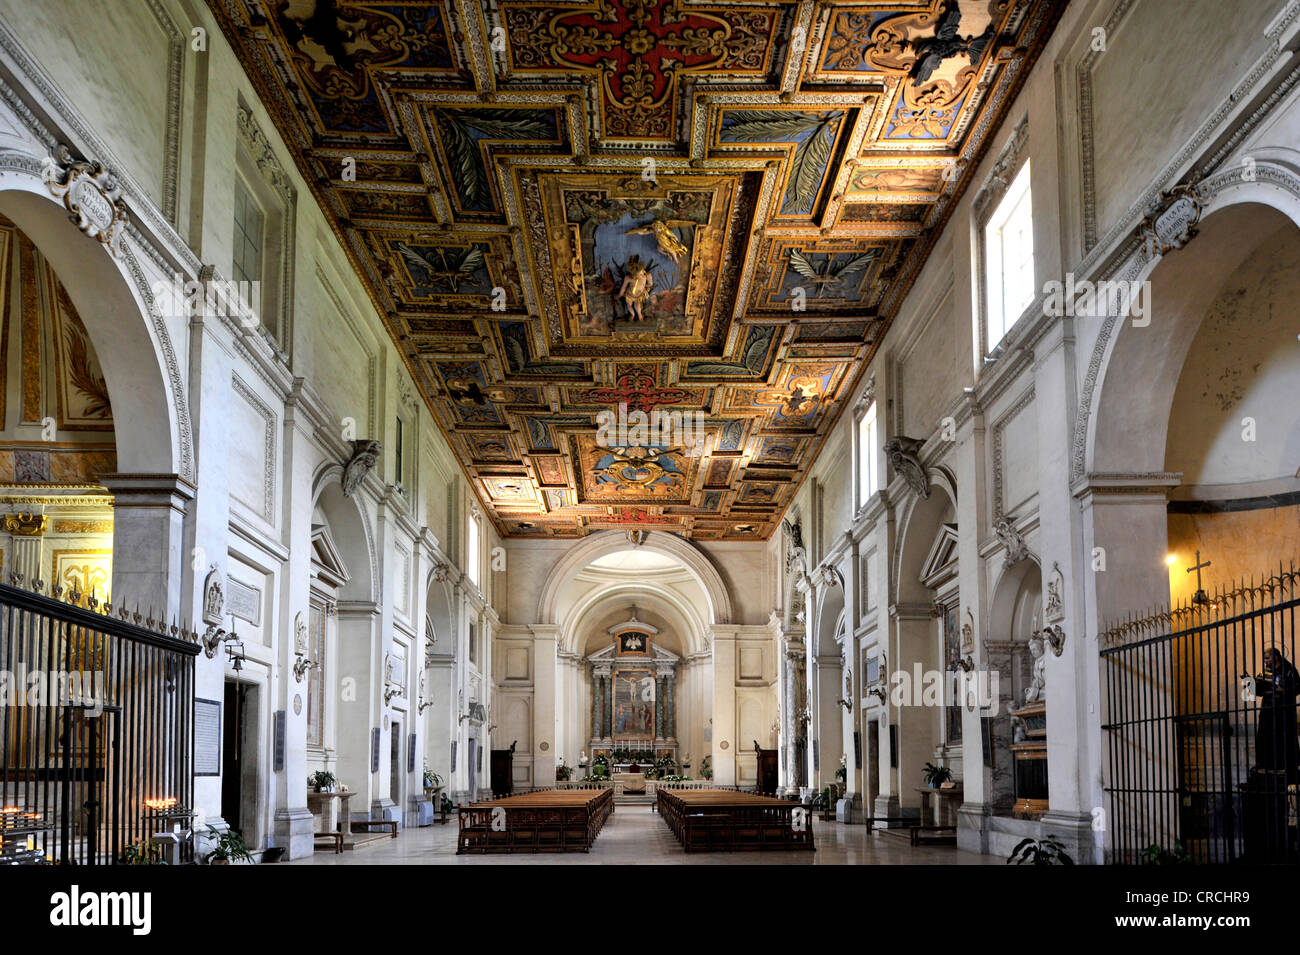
1202 757
95 730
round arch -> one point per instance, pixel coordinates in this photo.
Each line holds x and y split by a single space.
1017 598
1113 433
658 600
351 533
607 542
112 297
916 534
830 618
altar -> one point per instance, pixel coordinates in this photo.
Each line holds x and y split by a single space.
633 699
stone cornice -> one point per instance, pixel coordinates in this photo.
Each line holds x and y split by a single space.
1112 484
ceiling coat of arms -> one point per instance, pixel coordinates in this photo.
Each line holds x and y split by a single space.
697 211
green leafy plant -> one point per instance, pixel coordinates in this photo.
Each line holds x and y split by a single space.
431 779
936 775
1156 854
228 846
322 780
144 852
1047 851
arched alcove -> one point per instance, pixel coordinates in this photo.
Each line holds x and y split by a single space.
1015 612
118 322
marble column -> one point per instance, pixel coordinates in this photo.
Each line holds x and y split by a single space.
595 708
670 730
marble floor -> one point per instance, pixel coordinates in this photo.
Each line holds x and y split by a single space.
634 835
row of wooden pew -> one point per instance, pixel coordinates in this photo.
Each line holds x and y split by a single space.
551 820
705 820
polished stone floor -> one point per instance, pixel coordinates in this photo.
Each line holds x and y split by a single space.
636 835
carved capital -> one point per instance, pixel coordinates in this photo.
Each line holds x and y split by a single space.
24 524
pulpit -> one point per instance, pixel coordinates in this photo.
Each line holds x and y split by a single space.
502 772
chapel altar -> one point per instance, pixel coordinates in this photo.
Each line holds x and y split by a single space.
634 697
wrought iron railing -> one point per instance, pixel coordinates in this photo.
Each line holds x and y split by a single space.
95 728
1202 756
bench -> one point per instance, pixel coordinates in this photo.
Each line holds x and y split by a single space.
365 825
335 837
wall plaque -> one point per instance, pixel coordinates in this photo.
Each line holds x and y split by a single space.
280 716
374 750
243 601
410 753
207 737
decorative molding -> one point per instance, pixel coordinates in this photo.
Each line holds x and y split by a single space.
365 455
214 598
175 84
999 505
262 152
1003 171
90 193
1013 544
268 445
26 524
1171 221
1083 82
1054 604
904 457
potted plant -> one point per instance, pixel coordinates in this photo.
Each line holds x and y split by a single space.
228 845
1048 851
323 781
562 772
935 776
144 852
1155 854
842 774
432 780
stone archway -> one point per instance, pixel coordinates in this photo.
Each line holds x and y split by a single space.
599 545
155 454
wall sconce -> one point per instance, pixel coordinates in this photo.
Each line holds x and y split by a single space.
878 691
391 691
214 636
848 706
424 705
965 664
1055 638
300 667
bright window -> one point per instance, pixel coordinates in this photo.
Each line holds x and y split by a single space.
867 455
472 549
1009 258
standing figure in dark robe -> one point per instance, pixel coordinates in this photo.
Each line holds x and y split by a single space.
1277 742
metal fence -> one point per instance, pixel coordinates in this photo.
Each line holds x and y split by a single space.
1202 755
95 729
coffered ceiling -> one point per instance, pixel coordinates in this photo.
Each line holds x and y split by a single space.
760 180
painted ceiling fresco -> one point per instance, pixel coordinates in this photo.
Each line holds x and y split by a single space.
679 205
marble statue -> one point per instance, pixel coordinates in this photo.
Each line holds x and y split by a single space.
1036 692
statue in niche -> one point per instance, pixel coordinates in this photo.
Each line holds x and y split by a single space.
214 597
1054 608
1036 692
299 634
